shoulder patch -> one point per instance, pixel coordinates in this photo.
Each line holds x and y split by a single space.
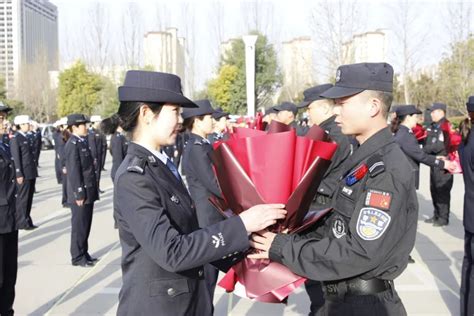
372 223
197 142
376 165
137 165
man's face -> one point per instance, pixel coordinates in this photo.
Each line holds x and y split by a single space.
3 126
25 128
355 114
318 111
285 117
437 115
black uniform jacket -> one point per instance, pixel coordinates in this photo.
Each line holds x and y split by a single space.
59 151
409 145
118 149
23 156
372 228
7 190
163 249
466 155
81 180
344 149
95 144
201 180
437 141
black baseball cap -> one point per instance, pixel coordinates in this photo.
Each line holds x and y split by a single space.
271 110
286 106
438 106
76 119
354 78
470 104
403 110
314 94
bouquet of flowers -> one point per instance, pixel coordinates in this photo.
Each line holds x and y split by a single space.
257 167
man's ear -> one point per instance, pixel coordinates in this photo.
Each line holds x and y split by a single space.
375 106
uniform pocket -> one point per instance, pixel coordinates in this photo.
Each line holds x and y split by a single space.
170 288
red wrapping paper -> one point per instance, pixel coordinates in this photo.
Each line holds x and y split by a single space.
255 167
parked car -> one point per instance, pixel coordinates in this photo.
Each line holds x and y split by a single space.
47 131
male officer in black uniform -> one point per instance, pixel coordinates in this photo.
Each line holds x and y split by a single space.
8 230
220 126
286 113
365 241
82 189
322 112
26 172
441 182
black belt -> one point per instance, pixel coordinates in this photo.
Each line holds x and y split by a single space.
354 287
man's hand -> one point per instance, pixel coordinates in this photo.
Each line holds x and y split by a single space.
261 241
64 170
80 202
19 180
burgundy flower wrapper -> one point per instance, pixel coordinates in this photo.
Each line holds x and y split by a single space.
255 167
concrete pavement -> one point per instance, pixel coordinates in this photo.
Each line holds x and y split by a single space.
48 284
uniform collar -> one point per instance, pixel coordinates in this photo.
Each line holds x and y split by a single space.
369 147
328 123
406 129
199 138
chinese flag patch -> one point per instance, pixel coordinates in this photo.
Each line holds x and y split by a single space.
378 199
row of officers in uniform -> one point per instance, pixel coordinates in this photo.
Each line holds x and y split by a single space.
173 240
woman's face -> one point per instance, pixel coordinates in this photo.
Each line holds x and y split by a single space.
206 125
165 126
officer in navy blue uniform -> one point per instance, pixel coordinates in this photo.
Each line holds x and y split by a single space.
402 128
95 140
365 241
466 155
82 189
163 249
8 230
26 172
322 112
118 150
220 126
197 166
59 161
441 181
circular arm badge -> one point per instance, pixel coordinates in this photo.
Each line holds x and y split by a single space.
372 223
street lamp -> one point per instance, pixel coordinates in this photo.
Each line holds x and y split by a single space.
250 41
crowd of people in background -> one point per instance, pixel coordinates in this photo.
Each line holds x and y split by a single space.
81 144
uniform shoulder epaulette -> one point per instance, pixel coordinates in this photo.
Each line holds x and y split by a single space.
74 141
376 165
197 142
137 164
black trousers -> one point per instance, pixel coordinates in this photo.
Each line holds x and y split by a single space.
386 303
64 185
441 183
316 295
58 170
81 221
467 276
8 271
24 202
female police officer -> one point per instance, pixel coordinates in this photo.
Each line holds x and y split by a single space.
163 249
200 177
82 189
406 119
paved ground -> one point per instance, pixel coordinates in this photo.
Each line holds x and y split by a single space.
49 285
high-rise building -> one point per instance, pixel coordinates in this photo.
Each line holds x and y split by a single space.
296 66
366 47
28 35
166 52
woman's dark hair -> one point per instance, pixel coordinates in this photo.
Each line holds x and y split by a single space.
128 113
395 126
465 128
109 125
66 134
189 122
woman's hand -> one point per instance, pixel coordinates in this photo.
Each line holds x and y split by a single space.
261 216
261 241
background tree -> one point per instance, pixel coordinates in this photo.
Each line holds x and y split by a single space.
267 75
220 88
79 90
